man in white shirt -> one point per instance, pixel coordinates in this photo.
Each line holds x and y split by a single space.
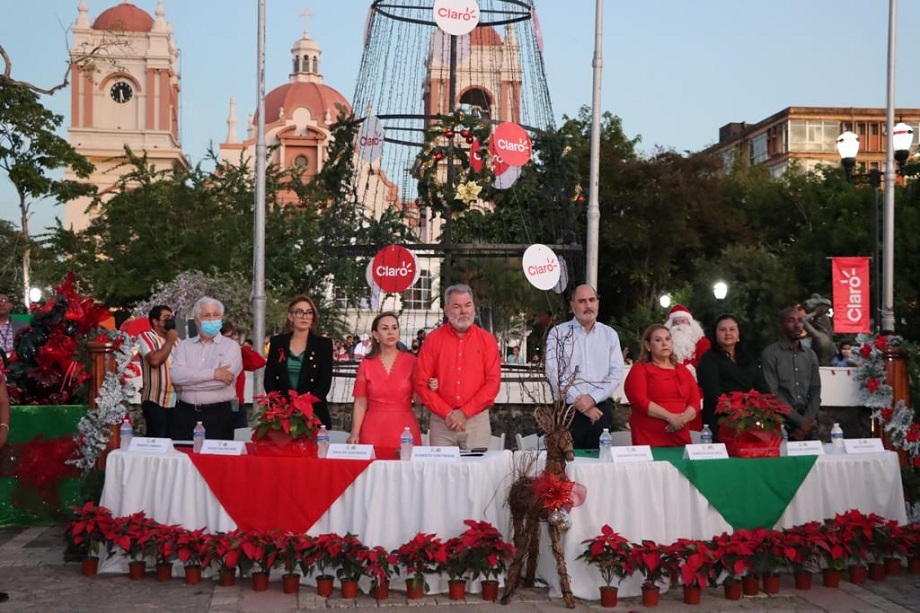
362 348
584 365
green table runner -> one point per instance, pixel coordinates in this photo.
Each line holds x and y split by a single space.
749 493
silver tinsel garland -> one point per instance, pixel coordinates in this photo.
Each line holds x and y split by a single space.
95 428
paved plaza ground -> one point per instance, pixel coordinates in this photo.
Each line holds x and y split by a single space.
33 572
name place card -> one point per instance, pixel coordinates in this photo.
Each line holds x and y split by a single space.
215 447
706 451
795 448
435 454
147 444
342 451
863 445
631 453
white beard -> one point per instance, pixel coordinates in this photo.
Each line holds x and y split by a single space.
684 338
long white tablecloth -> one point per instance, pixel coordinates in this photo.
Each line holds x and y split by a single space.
387 504
655 501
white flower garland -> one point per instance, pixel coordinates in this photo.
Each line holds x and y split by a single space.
115 393
872 368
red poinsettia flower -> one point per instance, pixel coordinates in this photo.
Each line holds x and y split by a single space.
865 351
555 492
881 343
872 385
886 414
913 433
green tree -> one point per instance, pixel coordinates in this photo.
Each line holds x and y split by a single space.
30 155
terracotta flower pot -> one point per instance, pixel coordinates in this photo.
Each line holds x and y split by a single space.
876 571
381 591
913 566
415 589
192 574
692 594
750 585
324 585
290 583
802 580
136 569
892 566
90 566
650 596
732 590
164 572
456 589
349 588
490 591
830 577
259 581
858 574
227 577
771 584
608 596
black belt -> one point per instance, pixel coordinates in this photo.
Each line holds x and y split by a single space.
205 407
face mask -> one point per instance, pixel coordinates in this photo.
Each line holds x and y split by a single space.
211 328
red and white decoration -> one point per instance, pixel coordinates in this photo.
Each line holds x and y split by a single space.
394 269
370 139
851 295
456 17
541 266
510 147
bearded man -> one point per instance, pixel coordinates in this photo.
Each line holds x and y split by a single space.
688 340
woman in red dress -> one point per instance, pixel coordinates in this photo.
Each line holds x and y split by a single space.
663 394
383 389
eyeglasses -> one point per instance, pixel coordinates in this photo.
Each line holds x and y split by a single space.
302 313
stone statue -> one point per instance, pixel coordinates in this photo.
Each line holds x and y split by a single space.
820 328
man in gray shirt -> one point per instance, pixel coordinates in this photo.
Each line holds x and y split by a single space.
204 370
791 371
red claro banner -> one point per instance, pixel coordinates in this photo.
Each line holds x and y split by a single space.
852 306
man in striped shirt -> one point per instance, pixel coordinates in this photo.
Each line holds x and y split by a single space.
156 347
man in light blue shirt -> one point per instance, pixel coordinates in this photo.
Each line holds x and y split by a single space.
584 365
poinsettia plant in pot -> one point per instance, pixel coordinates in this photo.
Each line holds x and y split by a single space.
610 553
260 552
189 550
286 418
136 536
769 557
732 559
422 555
166 539
657 564
349 566
487 552
223 550
696 561
380 565
91 528
750 423
801 550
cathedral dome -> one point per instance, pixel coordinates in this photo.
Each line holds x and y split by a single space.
316 97
124 17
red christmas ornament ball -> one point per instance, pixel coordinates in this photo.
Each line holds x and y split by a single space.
449 133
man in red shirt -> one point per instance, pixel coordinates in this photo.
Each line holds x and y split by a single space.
461 361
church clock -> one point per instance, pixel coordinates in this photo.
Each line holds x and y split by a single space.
121 92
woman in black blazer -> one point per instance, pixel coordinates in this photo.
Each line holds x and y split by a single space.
301 360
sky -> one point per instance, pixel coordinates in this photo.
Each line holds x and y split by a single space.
673 71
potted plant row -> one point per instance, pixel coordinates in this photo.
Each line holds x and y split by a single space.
478 552
747 561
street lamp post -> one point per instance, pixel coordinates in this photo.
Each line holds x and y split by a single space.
720 290
901 139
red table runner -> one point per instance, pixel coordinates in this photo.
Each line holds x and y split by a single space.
283 493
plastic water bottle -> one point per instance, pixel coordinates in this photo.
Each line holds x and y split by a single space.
127 433
405 445
605 444
784 444
705 435
837 439
322 442
198 437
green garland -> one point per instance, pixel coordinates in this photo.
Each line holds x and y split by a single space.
462 129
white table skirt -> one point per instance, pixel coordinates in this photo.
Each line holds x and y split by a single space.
655 501
387 504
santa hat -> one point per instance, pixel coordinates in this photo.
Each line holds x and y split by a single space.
677 310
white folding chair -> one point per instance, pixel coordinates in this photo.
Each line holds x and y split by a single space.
338 436
497 443
531 442
425 439
695 437
242 434
622 438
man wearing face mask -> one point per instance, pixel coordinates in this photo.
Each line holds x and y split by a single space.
156 346
205 368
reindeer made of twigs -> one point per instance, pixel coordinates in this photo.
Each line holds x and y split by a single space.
527 510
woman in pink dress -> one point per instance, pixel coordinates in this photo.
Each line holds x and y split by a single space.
663 394
383 389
